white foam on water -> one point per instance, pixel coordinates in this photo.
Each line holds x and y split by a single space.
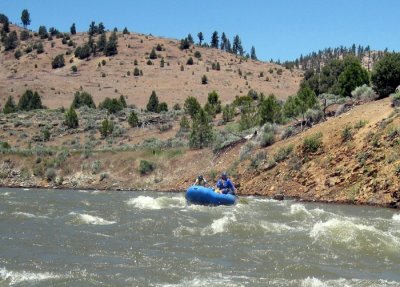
90 219
148 202
27 215
341 282
221 281
300 209
274 227
396 217
83 191
219 225
14 277
346 231
26 189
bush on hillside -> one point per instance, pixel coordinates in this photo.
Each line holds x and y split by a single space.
30 101
71 118
58 62
107 128
386 74
312 143
146 167
133 119
83 99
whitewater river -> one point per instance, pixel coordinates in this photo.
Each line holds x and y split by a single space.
97 238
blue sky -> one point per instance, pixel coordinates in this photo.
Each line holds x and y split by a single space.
279 29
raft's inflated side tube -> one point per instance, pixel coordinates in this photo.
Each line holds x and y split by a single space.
206 196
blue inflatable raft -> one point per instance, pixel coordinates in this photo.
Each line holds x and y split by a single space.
206 196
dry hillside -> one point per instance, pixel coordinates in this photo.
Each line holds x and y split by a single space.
57 86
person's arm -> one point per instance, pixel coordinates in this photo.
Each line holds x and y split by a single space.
231 186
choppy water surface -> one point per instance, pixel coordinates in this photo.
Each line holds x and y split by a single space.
96 238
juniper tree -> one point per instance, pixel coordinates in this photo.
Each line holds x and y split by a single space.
9 106
201 37
71 118
72 29
25 18
253 53
201 134
152 105
133 119
191 106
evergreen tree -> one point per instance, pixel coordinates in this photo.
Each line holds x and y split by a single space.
214 102
25 18
353 76
112 44
253 53
125 31
92 28
83 99
43 32
191 106
386 75
237 46
122 101
270 110
204 80
102 42
100 28
111 105
73 29
152 105
162 107
201 134
71 118
214 40
58 62
9 106
201 37
190 38
184 124
10 41
24 35
153 54
30 101
133 119
228 113
6 23
185 44
107 128
223 41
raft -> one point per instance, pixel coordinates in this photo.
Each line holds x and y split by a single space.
197 194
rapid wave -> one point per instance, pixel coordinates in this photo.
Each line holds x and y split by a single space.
147 202
222 281
314 282
14 277
27 215
219 225
396 217
89 219
353 235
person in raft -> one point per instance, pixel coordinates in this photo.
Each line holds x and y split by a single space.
200 180
225 185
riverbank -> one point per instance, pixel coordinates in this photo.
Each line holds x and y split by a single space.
353 158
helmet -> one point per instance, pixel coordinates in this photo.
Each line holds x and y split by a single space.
200 177
224 175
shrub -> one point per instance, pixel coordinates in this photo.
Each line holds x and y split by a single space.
360 124
146 167
71 118
112 105
50 174
204 80
39 48
176 107
189 61
201 134
312 143
267 139
159 48
396 99
24 35
133 119
152 104
364 92
74 69
165 127
197 54
288 132
347 134
184 124
162 107
153 54
136 72
5 145
107 127
18 54
58 62
283 153
245 151
149 62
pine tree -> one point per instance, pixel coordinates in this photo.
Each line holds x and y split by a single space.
42 32
223 41
133 119
73 29
190 38
71 119
152 105
100 28
6 23
125 31
58 62
9 106
237 46
92 28
253 53
201 37
10 41
191 106
102 42
122 101
214 40
270 110
25 18
153 54
112 44
201 134
107 127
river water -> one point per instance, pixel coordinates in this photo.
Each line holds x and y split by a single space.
104 238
